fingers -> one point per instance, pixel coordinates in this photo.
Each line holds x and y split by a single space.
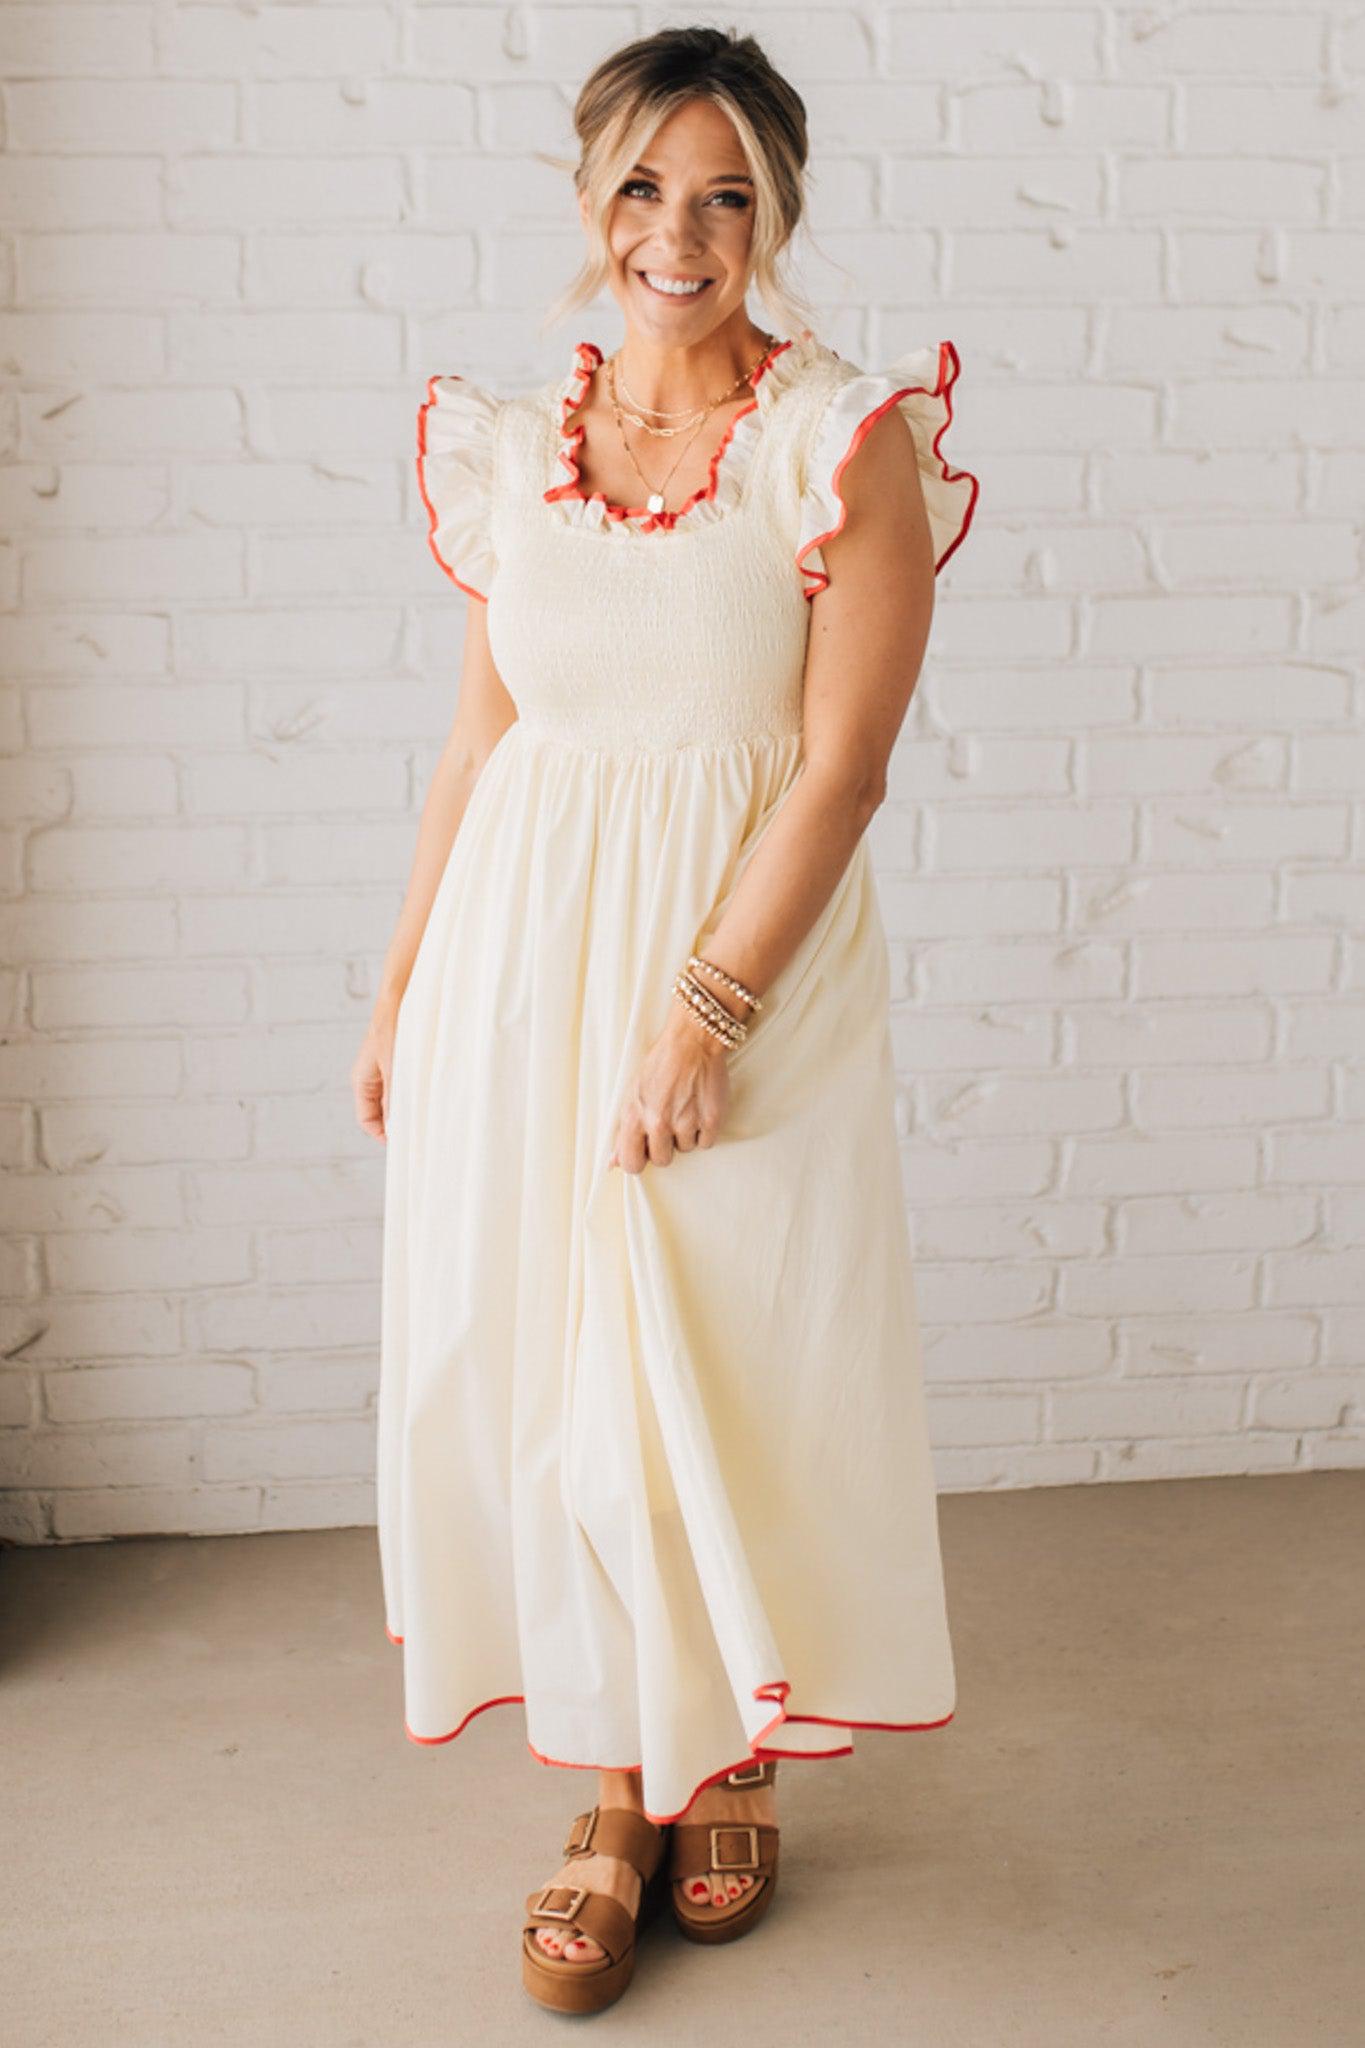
654 1143
371 1103
669 1112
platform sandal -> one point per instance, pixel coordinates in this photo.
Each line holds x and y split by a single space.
575 1910
726 1847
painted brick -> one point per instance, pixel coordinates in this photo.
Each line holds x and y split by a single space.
1118 863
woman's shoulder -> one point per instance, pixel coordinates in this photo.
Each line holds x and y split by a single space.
848 401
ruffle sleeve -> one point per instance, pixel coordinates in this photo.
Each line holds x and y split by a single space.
921 384
456 433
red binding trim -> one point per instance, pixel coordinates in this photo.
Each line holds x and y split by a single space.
759 1749
949 366
588 357
422 412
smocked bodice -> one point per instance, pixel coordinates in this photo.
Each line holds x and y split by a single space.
617 629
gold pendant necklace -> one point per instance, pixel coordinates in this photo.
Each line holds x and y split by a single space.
654 501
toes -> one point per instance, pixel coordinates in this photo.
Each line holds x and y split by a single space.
715 1890
580 1949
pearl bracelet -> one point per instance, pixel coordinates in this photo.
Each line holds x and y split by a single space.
726 980
712 1015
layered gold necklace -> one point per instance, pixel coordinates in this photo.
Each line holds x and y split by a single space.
693 420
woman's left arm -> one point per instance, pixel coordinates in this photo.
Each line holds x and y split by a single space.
868 632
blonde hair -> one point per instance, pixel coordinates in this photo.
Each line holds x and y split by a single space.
629 96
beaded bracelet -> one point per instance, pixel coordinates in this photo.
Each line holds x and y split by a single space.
727 980
738 1027
713 1016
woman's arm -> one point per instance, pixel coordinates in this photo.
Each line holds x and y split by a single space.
483 712
868 633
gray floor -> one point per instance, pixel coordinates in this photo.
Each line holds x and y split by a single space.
1144 1825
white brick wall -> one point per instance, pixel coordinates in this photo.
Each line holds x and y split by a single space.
1120 861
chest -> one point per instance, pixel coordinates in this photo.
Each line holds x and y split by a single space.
635 473
616 632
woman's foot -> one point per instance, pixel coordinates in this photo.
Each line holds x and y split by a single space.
721 1803
597 1874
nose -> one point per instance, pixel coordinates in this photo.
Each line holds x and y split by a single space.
676 232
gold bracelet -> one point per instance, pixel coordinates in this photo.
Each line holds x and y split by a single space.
723 1015
706 1025
728 980
731 1028
713 1006
717 1020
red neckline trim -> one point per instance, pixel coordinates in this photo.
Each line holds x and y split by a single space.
588 358
775 1693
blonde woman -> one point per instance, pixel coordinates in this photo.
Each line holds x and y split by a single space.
652 1450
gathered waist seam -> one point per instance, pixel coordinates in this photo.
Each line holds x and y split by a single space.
534 730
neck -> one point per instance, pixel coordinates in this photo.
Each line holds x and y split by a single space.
668 379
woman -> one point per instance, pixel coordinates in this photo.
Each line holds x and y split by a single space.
652 1455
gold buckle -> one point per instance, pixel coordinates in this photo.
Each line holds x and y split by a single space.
747 1774
569 1912
723 1829
576 1848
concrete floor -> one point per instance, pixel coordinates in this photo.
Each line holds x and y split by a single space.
1143 1827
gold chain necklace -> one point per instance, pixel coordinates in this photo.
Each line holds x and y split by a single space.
686 413
654 502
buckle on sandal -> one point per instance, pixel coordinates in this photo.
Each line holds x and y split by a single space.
578 1842
569 1912
747 1774
744 1863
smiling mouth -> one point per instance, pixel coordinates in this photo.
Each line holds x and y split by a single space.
704 284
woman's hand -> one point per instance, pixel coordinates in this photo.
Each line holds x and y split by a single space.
371 1070
678 1097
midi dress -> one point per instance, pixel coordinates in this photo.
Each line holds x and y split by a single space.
652 1452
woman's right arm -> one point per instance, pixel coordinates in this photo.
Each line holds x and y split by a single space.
483 712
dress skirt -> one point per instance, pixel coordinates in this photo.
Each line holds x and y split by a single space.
653 1463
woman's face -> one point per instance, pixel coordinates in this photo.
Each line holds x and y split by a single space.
684 215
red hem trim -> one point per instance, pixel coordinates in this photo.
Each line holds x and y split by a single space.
759 1749
423 409
589 359
949 368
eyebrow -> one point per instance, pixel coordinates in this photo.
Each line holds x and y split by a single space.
725 178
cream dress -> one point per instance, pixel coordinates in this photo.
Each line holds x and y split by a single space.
652 1449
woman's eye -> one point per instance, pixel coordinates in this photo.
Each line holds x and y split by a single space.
634 185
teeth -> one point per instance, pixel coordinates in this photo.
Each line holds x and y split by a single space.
679 290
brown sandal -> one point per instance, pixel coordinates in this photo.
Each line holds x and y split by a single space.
588 1987
724 1846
